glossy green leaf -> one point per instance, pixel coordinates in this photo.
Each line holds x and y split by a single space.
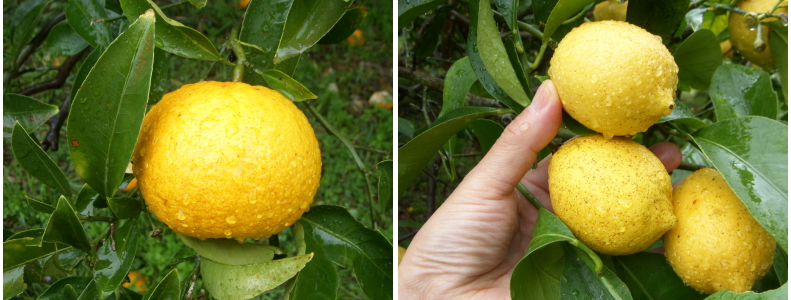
23 24
13 282
115 259
580 282
247 281
385 184
416 153
308 21
661 18
751 153
31 233
697 59
781 293
537 276
263 26
160 77
63 40
83 16
509 9
17 252
574 126
487 132
289 87
29 112
198 3
171 35
348 243
56 290
649 276
739 91
488 56
319 279
779 47
167 289
780 265
683 115
516 63
67 258
90 292
231 252
36 162
85 199
703 18
125 207
409 10
64 227
107 112
87 65
427 42
562 11
458 80
346 26
39 206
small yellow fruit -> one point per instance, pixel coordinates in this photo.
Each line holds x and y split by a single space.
743 38
717 244
401 252
614 194
356 39
130 186
136 280
243 3
614 77
610 10
227 160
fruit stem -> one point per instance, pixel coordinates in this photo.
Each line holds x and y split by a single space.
540 55
525 26
238 71
529 196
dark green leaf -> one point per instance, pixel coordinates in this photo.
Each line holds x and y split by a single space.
580 282
516 63
13 282
739 91
537 276
308 21
56 290
36 162
409 10
751 153
348 243
83 16
171 35
574 126
319 278
509 9
247 281
458 80
406 130
661 18
87 65
17 252
198 3
562 11
781 293
90 292
23 23
780 265
427 42
683 115
385 184
85 200
63 40
115 259
167 289
230 252
31 233
107 112
697 59
649 276
64 227
487 132
39 206
263 26
160 77
415 154
346 26
286 85
29 112
779 47
125 207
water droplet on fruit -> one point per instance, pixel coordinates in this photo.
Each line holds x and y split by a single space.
181 216
227 232
231 219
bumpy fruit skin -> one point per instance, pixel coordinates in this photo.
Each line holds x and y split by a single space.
614 77
614 194
742 38
717 244
227 160
610 10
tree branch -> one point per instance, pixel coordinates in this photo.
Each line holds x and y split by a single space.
60 79
50 142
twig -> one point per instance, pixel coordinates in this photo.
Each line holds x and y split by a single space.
33 45
60 79
50 142
171 265
408 235
194 279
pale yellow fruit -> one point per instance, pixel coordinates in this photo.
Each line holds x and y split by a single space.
227 160
743 38
717 244
610 10
614 194
401 252
614 77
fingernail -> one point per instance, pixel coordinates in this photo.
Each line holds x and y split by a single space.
543 96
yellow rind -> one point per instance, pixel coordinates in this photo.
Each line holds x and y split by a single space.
743 38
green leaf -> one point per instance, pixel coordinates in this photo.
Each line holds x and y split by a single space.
348 243
574 126
697 59
31 233
683 115
198 3
537 276
562 11
29 112
649 276
739 91
87 65
488 56
580 282
427 42
63 226
18 252
125 207
107 112
516 63
171 35
247 281
409 10
263 26
39 206
167 289
36 162
703 18
160 77
85 199
115 259
751 153
385 183
779 47
319 278
63 40
661 18
308 21
416 153
289 87
346 26
458 81
509 9
781 293
57 289
90 292
487 132
23 24
83 16
13 282
229 251
780 265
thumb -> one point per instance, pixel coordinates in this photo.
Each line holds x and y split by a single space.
515 151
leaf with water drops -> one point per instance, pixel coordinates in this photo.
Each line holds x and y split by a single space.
57 289
125 207
308 21
166 289
247 281
13 282
64 227
19 251
87 18
697 59
36 162
408 10
115 258
350 21
263 26
231 252
682 114
740 91
319 279
29 112
649 276
780 293
289 87
85 68
562 11
661 18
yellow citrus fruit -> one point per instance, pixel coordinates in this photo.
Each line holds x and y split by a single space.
131 186
717 244
614 194
136 280
614 77
243 3
743 38
610 10
227 160
356 39
401 252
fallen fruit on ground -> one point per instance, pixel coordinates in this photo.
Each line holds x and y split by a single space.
610 10
716 244
614 77
227 160
743 38
614 194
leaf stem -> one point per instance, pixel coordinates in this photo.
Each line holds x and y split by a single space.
540 55
529 196
238 70
525 26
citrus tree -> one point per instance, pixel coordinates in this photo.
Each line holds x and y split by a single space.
114 61
467 68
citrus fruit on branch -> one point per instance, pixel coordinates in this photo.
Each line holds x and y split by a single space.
227 160
743 38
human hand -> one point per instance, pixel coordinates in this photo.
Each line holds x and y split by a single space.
470 246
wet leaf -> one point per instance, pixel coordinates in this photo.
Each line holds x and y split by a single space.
562 11
289 87
781 293
229 251
308 21
167 289
13 282
487 132
263 25
63 40
649 276
63 226
17 252
538 275
23 24
385 183
346 26
56 290
160 77
125 207
580 282
574 126
39 206
29 112
659 18
87 17
427 42
319 278
409 10
87 65
683 115
86 197
115 260
697 59
36 162
739 91
90 292
247 281
458 80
